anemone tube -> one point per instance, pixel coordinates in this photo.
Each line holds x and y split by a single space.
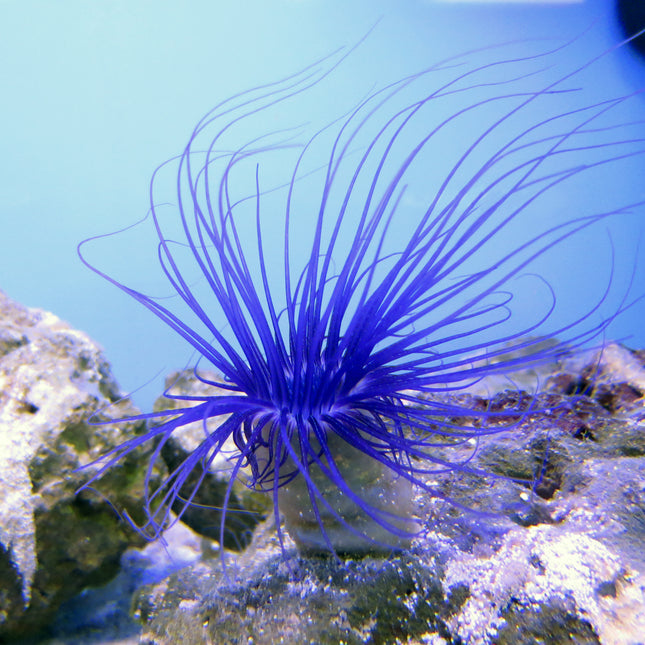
334 383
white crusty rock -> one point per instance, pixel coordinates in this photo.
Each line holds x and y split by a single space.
54 542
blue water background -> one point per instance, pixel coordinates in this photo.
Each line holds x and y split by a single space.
94 95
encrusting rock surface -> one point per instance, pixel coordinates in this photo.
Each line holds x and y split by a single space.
552 552
54 384
553 558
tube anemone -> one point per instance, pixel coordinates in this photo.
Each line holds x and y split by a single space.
338 354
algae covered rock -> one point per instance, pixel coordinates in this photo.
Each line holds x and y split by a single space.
262 598
244 507
53 541
550 552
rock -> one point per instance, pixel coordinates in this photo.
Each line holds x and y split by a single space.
53 541
103 614
547 584
261 597
550 552
245 508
